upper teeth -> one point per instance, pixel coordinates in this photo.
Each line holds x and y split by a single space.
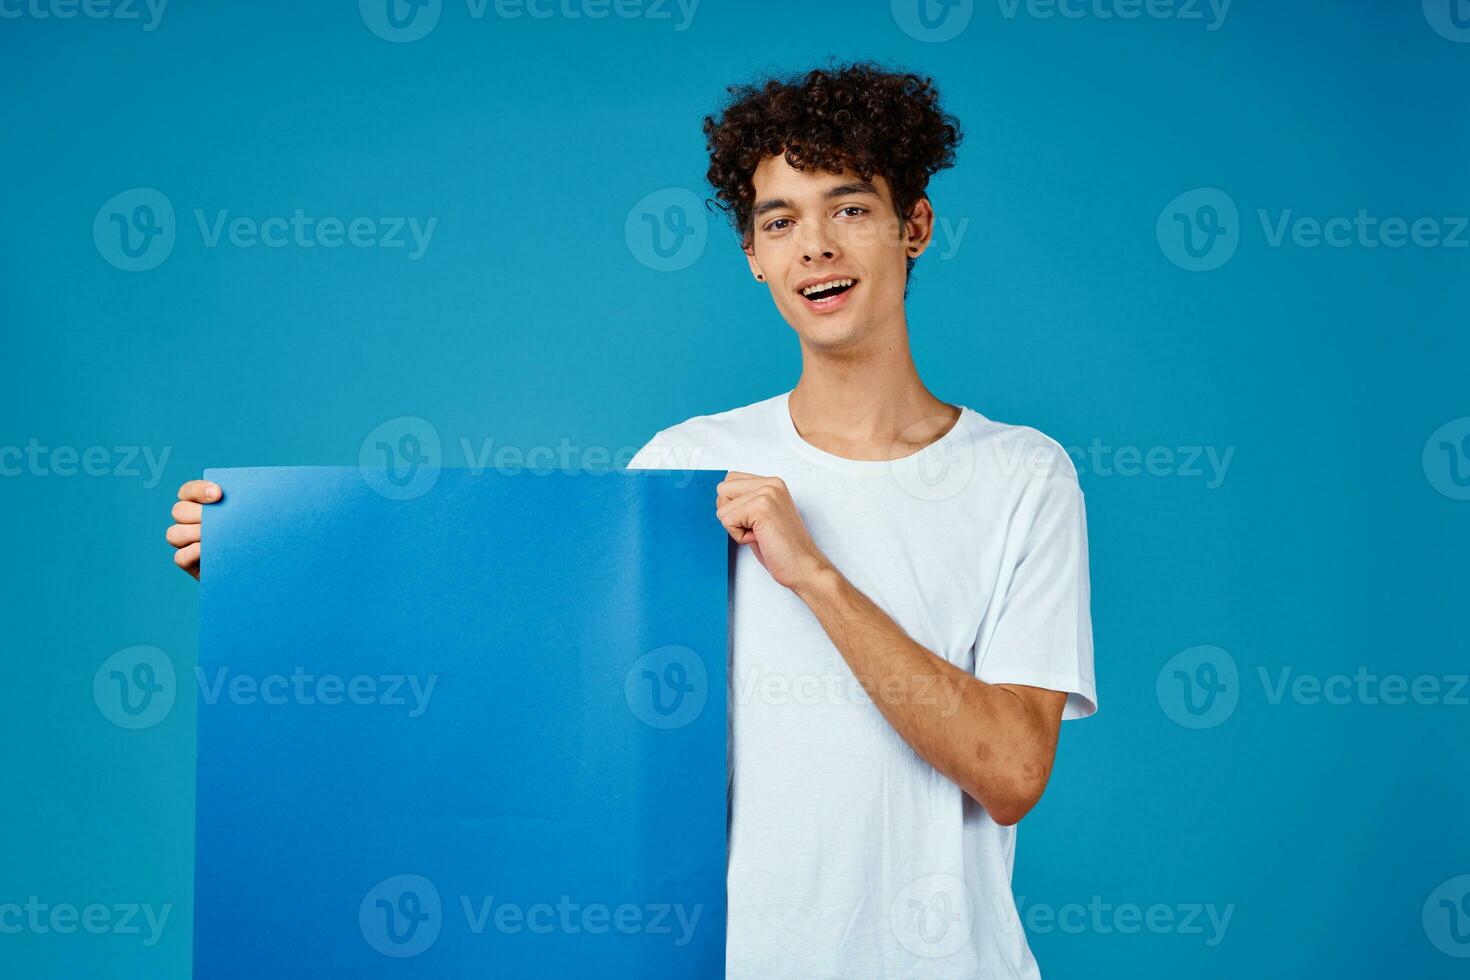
829 284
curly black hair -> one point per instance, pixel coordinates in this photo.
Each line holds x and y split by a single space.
857 116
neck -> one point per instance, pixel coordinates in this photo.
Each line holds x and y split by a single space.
869 404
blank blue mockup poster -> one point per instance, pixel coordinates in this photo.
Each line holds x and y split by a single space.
461 724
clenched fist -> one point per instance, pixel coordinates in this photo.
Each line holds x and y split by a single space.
758 511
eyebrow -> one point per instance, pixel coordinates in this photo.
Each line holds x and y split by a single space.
839 190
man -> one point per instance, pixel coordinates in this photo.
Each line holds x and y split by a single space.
910 598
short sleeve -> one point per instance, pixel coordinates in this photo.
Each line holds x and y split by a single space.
1042 635
653 455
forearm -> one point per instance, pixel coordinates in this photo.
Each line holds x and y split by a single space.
986 738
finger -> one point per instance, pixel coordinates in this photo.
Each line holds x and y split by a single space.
185 512
744 485
737 522
739 534
200 492
756 496
740 475
187 558
179 535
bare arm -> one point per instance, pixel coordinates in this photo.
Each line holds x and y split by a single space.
995 741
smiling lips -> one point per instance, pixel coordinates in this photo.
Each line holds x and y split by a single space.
826 295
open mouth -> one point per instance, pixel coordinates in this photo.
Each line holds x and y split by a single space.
827 295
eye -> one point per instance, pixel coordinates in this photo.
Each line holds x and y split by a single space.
773 226
854 207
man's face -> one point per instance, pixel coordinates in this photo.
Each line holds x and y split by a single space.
817 228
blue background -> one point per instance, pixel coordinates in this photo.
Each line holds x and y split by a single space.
532 317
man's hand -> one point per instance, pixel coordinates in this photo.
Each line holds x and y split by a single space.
187 514
758 511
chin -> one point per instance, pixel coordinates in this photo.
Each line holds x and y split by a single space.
832 334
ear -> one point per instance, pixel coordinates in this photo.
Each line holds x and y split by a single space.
918 229
755 268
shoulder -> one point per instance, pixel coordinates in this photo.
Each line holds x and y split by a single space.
717 441
1019 456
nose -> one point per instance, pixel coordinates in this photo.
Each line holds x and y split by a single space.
819 243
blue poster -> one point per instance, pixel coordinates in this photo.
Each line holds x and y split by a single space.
461 725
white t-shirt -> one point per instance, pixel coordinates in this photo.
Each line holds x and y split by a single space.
850 856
